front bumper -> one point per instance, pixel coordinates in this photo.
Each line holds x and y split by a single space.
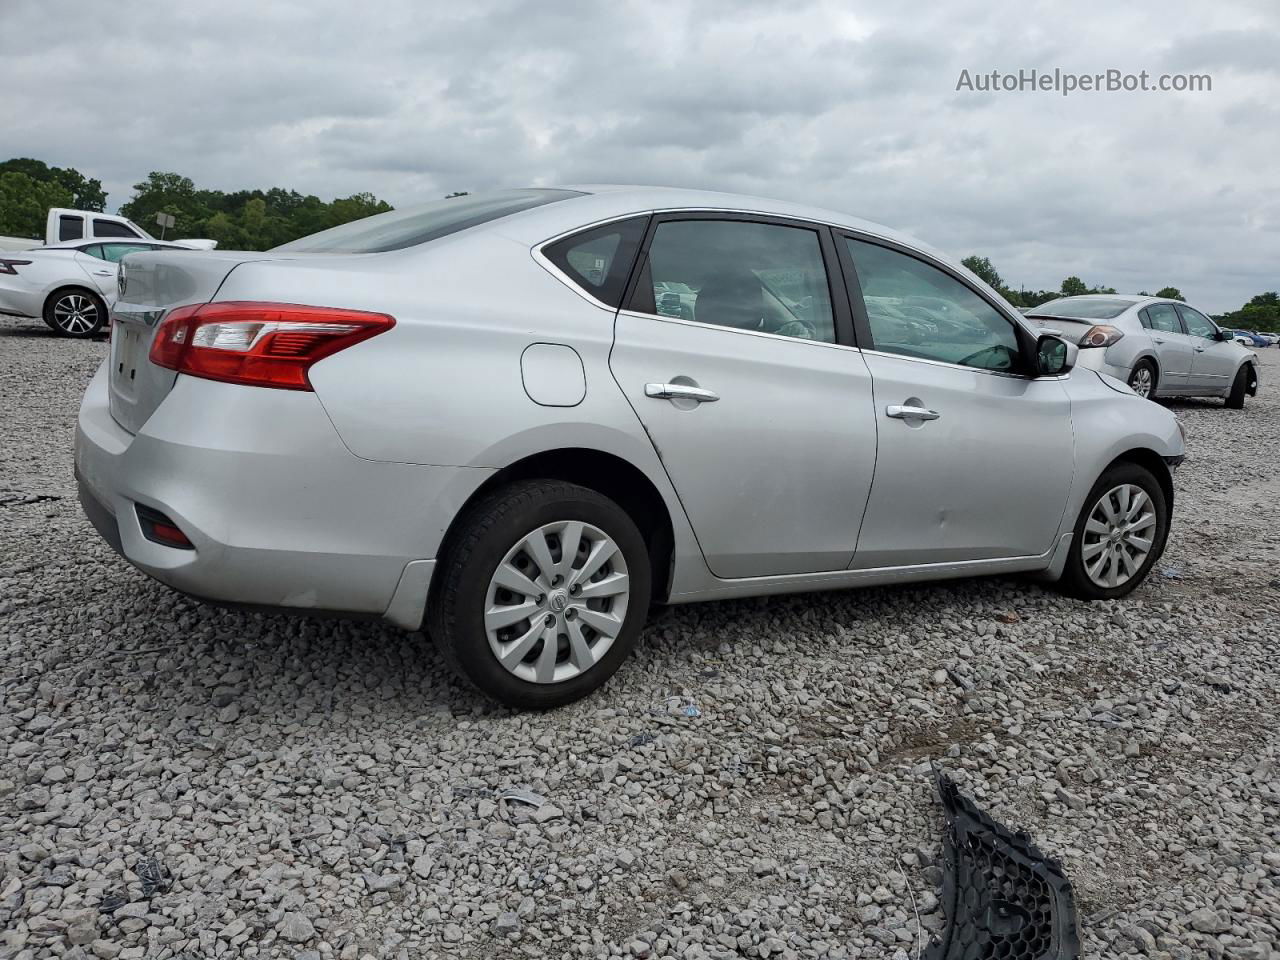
279 513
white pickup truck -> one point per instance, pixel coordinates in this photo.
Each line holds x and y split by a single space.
64 225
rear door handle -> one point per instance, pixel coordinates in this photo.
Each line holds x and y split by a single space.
679 391
1200 349
1158 339
103 273
899 411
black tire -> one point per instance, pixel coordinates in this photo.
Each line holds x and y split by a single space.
1136 376
1239 387
455 613
1075 578
75 312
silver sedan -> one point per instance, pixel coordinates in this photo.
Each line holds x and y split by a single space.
1161 348
475 416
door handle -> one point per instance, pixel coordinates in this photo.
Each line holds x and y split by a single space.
899 411
679 391
103 273
1199 349
1158 339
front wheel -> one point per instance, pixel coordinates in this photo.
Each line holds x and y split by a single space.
543 594
1239 387
1119 535
75 313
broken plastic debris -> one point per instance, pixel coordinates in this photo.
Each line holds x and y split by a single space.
642 739
111 903
676 707
528 797
1171 573
1001 895
155 876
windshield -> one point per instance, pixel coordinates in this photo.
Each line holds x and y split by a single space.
418 224
1086 308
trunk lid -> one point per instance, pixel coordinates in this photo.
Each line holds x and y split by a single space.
149 285
1072 329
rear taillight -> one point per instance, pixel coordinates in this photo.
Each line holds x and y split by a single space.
10 267
1101 335
259 344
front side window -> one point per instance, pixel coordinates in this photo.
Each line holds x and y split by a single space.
760 277
1198 325
917 310
109 228
70 228
599 260
1162 317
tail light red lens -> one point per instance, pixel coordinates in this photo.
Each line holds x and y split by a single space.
259 344
11 266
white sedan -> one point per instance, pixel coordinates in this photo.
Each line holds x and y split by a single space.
70 285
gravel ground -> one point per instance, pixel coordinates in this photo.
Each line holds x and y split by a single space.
320 789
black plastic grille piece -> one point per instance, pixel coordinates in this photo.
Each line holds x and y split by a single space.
1003 898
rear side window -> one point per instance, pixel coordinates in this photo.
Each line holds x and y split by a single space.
109 228
1162 317
429 221
599 260
94 250
70 228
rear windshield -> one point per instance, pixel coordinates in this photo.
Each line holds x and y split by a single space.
429 221
1090 309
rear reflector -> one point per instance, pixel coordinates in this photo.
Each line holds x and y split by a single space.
259 344
158 528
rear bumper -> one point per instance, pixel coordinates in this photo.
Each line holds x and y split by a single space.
279 512
19 300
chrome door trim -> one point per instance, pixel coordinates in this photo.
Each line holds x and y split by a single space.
663 318
961 366
900 411
679 391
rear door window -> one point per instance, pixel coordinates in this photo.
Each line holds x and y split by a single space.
70 228
599 260
758 277
1163 317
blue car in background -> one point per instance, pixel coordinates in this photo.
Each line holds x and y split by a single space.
1252 337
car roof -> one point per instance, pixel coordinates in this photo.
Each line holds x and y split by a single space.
600 202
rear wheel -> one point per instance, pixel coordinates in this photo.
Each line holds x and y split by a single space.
75 313
1143 379
1120 534
544 592
1239 387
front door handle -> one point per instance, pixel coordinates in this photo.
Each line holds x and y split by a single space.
1158 339
103 273
900 411
679 391
1200 349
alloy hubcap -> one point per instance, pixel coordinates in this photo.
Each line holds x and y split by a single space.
1118 535
1141 382
556 602
75 313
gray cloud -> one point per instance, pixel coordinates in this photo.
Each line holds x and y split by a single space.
821 102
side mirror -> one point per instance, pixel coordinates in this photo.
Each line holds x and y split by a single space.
1054 356
1225 336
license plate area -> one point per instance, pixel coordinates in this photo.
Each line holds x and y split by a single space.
127 352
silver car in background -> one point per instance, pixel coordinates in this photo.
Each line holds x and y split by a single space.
525 459
1161 348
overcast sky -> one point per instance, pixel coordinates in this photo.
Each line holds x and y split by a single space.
846 105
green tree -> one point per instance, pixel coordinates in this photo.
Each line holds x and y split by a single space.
984 270
169 193
1172 293
1073 287
85 194
25 203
